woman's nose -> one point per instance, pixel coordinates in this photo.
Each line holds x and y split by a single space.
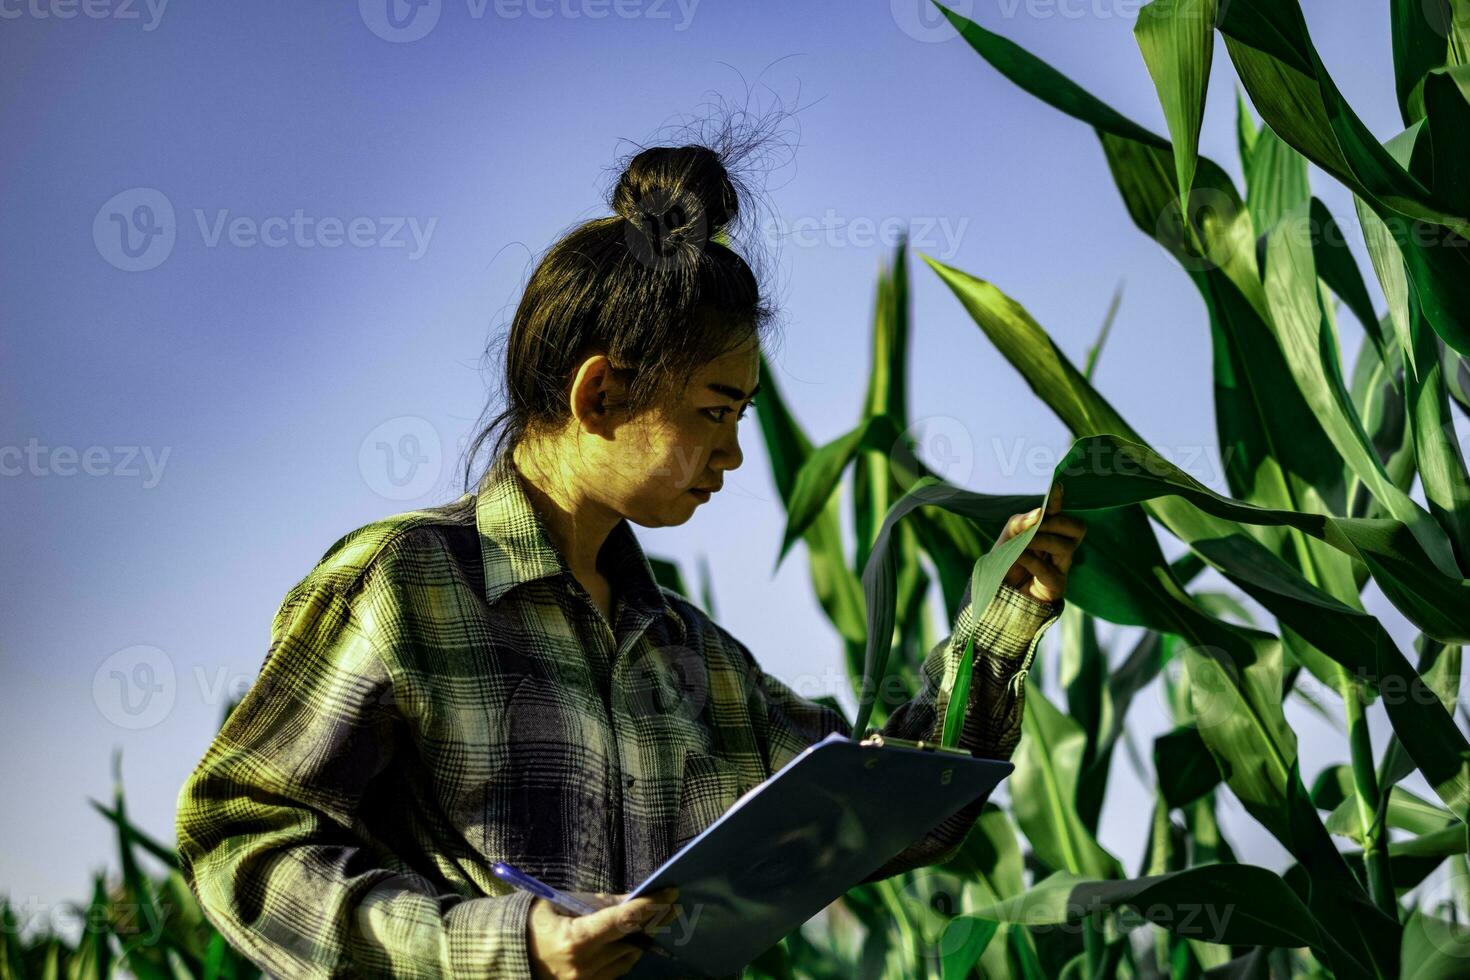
727 454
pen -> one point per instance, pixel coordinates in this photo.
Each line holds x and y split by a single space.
517 877
559 898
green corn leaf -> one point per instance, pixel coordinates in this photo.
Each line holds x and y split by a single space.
1044 791
1207 844
1278 455
821 472
1417 584
1405 812
1083 673
1420 43
1177 39
837 588
990 856
1439 668
1427 729
886 395
1350 636
1246 130
1436 449
874 486
1275 180
1311 353
964 941
1339 272
1294 94
1377 390
1456 377
1434 948
1022 947
1446 95
1137 671
959 700
1237 904
1095 351
1186 769
1281 70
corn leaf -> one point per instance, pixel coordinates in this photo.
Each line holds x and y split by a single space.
1311 353
1265 911
1284 76
836 586
1044 791
1186 769
1177 39
1275 180
1436 447
1420 43
1434 948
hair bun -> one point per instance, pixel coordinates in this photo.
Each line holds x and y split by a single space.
675 195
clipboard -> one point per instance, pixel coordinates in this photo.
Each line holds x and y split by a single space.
794 844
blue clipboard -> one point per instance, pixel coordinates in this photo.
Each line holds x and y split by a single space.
794 844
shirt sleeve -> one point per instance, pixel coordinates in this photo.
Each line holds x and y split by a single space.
1006 638
266 822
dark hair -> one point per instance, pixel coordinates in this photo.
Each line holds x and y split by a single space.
656 286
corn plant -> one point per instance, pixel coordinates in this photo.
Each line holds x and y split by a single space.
1319 469
136 924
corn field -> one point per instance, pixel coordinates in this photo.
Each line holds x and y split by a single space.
1320 460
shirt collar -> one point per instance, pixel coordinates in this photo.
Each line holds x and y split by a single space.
516 548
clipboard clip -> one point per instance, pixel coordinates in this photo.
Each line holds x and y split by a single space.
878 739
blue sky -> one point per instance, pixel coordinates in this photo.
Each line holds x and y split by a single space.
354 213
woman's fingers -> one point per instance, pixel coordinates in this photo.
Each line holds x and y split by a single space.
618 921
1054 544
1015 524
1066 525
1045 573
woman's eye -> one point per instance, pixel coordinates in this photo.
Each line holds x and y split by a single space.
724 410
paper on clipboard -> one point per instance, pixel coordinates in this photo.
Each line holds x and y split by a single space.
791 846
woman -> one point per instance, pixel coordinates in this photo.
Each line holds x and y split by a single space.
501 679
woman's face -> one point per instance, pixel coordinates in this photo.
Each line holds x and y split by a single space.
656 463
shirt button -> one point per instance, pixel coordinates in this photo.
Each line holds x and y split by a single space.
628 781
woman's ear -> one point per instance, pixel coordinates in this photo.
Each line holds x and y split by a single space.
596 389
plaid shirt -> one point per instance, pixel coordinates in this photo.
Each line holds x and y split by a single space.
440 693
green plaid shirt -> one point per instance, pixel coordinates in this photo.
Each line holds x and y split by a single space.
440 693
